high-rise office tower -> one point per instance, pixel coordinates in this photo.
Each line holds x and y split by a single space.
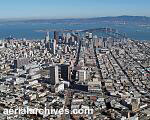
104 42
47 41
65 72
96 41
100 41
56 36
54 75
68 36
63 37
53 46
110 42
47 38
88 35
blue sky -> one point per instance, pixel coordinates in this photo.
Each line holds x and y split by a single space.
72 8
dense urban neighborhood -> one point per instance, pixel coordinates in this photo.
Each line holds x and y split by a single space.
76 71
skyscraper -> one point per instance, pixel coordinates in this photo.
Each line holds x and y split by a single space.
56 36
65 72
47 41
104 42
53 46
54 75
47 38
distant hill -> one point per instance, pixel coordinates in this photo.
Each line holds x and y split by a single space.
113 20
128 19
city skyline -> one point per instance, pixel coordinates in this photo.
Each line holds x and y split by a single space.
55 9
75 59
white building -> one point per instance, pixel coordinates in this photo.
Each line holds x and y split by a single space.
82 75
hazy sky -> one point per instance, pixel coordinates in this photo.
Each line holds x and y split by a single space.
72 8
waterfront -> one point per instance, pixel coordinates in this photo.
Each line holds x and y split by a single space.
29 30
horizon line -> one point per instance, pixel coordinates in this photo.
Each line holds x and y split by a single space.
43 18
